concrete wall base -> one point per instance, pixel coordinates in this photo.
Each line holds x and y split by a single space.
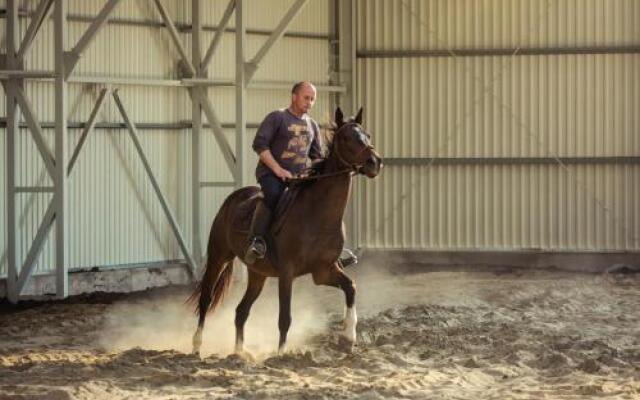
567 261
105 280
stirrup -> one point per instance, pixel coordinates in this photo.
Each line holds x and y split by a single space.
257 249
349 259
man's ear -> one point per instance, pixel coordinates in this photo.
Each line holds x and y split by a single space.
339 117
358 118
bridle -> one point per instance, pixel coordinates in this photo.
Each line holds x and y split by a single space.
350 168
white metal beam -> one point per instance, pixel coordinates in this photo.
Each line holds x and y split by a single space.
87 129
7 74
36 246
218 36
188 82
174 35
156 187
199 95
252 66
34 26
89 35
36 131
35 189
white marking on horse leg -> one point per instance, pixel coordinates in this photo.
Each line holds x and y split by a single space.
344 318
350 322
197 341
239 346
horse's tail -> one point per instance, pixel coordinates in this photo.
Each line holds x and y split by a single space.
210 291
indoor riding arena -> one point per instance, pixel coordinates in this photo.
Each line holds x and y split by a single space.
480 158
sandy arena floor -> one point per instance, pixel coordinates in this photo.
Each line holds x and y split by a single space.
437 335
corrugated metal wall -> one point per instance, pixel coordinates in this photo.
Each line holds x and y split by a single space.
115 217
539 106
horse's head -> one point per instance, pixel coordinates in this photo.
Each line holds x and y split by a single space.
352 146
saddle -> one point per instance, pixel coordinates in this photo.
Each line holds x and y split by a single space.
245 210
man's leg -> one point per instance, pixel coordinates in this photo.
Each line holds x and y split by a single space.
272 188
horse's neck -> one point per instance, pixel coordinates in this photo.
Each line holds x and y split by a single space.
332 193
330 196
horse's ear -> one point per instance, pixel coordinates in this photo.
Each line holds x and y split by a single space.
339 117
358 118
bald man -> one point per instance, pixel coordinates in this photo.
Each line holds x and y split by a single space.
286 142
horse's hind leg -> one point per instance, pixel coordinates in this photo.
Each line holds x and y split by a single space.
334 276
254 287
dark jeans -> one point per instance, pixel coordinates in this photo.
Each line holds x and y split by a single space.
272 187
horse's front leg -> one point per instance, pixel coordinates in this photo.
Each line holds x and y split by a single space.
285 284
334 276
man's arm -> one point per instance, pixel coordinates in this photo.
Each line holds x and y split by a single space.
267 158
315 151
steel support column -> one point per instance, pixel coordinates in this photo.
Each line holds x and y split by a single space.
60 179
12 34
241 92
196 115
346 66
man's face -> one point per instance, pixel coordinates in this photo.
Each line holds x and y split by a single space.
304 99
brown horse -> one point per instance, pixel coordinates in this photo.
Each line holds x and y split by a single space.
309 239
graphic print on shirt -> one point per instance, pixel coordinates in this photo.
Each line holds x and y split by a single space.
298 144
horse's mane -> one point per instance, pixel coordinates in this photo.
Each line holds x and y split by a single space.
327 132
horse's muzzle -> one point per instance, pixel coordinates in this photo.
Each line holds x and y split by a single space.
372 166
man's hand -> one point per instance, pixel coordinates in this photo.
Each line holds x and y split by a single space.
267 158
282 173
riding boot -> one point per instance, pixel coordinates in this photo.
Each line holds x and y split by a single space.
259 226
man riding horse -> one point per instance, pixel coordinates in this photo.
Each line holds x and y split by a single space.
313 247
287 142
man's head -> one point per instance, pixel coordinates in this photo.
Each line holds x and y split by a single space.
303 96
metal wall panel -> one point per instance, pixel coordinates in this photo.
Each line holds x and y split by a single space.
461 24
115 217
501 107
493 207
527 106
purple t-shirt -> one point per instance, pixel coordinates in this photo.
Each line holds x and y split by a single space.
293 141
